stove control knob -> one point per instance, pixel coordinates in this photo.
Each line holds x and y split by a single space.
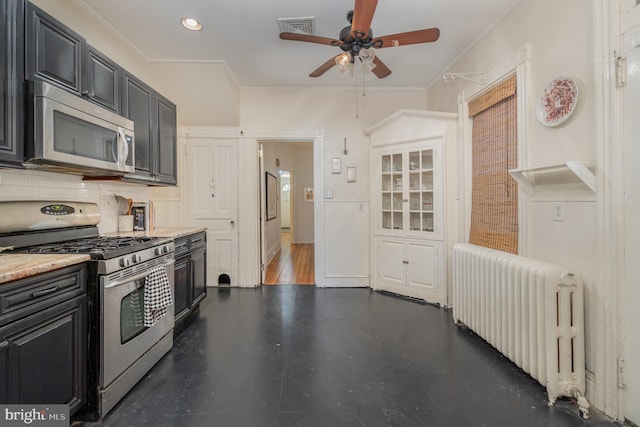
159 250
136 258
167 249
124 262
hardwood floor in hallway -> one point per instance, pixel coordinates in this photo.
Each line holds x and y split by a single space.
293 265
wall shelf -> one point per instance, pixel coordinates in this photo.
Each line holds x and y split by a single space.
563 173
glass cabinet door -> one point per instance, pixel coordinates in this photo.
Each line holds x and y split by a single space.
408 190
392 188
421 190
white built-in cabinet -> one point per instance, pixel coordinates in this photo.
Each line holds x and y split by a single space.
408 203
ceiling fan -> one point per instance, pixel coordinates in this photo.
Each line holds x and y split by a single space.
357 41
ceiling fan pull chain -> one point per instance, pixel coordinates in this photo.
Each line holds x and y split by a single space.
356 92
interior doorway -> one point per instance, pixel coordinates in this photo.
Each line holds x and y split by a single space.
288 246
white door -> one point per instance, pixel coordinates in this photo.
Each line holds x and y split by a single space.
212 202
631 290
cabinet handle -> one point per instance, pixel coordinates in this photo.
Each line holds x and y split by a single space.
44 292
4 345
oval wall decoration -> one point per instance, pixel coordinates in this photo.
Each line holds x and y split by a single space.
557 102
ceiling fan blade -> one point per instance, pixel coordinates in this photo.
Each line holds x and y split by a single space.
380 70
362 16
410 37
310 38
323 68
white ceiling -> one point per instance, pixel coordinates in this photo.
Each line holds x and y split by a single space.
244 35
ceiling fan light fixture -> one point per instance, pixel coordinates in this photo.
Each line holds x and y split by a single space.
366 57
348 70
191 24
343 61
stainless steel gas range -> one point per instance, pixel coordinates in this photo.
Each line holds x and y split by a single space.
123 345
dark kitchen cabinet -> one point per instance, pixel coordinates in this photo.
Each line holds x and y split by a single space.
102 84
43 339
190 278
181 275
60 56
55 53
11 82
154 117
166 138
137 105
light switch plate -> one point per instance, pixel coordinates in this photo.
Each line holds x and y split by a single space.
558 212
336 165
351 174
328 193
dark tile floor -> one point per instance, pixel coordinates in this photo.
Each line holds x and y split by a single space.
302 356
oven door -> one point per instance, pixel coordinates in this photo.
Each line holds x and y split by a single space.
124 337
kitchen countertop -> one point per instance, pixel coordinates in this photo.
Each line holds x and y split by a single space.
20 266
170 232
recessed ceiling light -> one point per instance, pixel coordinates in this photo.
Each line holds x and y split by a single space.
191 24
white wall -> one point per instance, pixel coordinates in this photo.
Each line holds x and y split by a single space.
560 38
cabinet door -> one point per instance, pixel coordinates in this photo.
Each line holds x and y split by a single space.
424 269
392 191
137 105
43 357
390 264
182 287
103 80
408 190
54 51
410 267
11 84
199 275
166 141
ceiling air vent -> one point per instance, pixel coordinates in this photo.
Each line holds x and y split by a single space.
304 25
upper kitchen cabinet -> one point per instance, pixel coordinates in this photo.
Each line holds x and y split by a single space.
137 105
11 82
54 51
60 56
102 84
154 117
166 140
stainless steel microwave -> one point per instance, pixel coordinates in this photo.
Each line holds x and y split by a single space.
69 134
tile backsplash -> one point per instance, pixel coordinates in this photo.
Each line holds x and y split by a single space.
16 184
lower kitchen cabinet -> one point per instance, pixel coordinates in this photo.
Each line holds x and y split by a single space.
43 339
411 267
190 278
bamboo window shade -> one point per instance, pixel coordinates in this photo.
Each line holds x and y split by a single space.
494 195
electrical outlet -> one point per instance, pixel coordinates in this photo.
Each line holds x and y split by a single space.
106 201
557 213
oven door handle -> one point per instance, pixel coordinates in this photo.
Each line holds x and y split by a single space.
134 278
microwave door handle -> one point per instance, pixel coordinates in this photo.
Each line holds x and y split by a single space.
123 149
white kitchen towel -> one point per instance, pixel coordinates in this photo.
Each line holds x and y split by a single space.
157 296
